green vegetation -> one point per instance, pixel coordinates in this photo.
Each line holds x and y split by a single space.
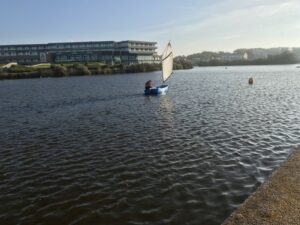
137 68
181 63
20 69
41 66
79 69
281 59
59 70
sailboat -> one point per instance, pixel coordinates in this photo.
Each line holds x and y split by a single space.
167 71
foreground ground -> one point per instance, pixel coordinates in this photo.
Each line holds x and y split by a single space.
275 202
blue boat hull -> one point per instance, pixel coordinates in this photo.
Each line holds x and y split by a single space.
162 89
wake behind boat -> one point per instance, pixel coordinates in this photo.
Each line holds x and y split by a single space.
167 71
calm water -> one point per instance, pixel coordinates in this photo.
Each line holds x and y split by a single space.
95 150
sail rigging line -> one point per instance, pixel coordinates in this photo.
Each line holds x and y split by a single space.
171 53
167 78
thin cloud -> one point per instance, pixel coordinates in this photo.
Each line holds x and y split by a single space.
254 24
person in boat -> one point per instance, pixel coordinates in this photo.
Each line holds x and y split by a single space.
148 85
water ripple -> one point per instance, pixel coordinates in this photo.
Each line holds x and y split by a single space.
94 150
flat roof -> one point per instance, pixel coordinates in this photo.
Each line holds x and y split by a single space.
79 42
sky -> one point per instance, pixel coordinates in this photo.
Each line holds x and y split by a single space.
191 25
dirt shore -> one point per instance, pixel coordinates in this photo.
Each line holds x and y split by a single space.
276 202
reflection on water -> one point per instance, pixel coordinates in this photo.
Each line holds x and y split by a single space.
95 150
166 109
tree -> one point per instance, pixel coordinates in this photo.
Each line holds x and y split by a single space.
283 58
182 62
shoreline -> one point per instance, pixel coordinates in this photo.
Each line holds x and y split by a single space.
80 69
276 201
233 65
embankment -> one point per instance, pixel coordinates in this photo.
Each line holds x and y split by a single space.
276 202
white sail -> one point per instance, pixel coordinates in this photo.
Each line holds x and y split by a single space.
167 62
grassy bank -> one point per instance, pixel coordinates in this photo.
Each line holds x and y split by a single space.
79 69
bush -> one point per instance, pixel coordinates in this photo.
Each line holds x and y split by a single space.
120 68
99 70
46 73
81 69
59 70
151 67
94 65
107 70
137 68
